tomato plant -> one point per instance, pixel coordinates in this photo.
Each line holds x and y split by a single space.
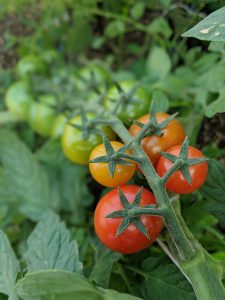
134 100
177 182
173 134
58 126
30 64
76 146
42 114
131 240
18 99
101 173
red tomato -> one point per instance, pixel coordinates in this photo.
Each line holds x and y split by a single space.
100 171
177 182
173 134
131 240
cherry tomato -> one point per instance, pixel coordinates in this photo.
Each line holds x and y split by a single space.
75 147
30 64
173 134
58 126
42 115
100 171
131 240
136 105
18 99
92 74
177 183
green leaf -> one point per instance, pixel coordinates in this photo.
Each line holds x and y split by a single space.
137 10
217 47
9 268
160 26
61 285
217 106
161 101
29 182
49 247
214 190
158 63
114 28
163 280
104 260
211 28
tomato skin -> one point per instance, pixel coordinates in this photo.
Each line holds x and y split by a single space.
41 116
30 64
58 126
75 147
131 240
18 99
131 110
177 183
100 171
173 134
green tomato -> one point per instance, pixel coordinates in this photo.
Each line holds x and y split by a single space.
18 99
75 147
136 105
42 115
92 75
30 64
58 126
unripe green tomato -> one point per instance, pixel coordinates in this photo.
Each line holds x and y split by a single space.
58 126
138 103
75 147
42 114
30 64
18 99
91 73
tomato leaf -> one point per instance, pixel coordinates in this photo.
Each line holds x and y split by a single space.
63 285
163 280
214 190
28 181
158 63
104 260
9 268
211 28
49 247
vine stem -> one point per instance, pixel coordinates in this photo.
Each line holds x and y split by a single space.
204 273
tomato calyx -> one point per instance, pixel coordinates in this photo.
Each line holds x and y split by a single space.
125 97
88 126
182 162
114 158
132 212
153 127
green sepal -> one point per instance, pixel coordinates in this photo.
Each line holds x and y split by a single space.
141 227
124 200
117 214
184 149
123 226
169 156
186 173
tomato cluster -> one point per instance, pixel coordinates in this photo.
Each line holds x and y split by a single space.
111 163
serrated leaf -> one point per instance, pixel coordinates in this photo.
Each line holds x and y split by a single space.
28 180
211 28
49 247
214 190
158 63
164 280
9 268
217 106
61 285
104 260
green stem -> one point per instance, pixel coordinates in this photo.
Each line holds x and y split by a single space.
184 248
204 273
139 211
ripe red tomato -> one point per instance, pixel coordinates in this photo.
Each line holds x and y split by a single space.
173 134
131 240
177 182
100 171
